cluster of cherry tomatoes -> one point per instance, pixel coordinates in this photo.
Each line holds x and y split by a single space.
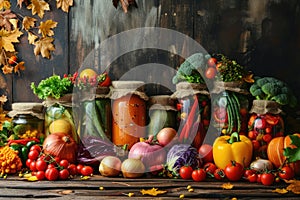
45 166
234 172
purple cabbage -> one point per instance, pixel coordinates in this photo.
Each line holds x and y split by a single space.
180 155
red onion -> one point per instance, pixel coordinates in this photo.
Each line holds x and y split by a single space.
150 154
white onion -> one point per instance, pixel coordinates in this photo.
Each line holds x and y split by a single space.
261 165
132 168
110 166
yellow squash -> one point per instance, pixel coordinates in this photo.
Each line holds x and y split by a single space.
236 148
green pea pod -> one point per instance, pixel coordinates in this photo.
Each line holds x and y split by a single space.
24 154
16 147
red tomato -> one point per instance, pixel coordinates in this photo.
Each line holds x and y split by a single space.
32 166
52 174
72 169
40 175
185 172
198 175
51 165
28 162
234 171
87 171
267 138
255 144
210 72
286 172
211 62
33 155
56 160
258 179
64 163
209 167
78 168
249 172
36 147
64 174
205 151
252 178
267 178
41 165
219 174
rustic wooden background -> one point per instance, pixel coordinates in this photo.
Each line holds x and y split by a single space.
264 35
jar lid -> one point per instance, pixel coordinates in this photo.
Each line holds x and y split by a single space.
136 85
184 89
161 102
27 108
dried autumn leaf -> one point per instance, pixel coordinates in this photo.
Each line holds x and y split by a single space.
7 69
7 38
5 19
294 186
85 178
19 66
3 98
38 7
45 28
65 192
280 191
20 2
32 38
28 22
153 192
4 4
227 186
64 4
44 46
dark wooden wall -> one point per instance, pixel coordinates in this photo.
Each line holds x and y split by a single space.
261 34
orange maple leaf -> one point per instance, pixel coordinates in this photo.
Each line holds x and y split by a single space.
19 66
4 4
38 7
153 192
7 38
64 4
227 186
45 28
44 46
28 22
7 69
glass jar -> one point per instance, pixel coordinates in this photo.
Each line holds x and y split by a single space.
59 116
230 112
129 112
162 114
265 123
28 120
192 99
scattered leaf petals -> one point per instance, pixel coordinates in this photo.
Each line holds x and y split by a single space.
85 178
280 190
32 178
227 186
153 192
65 192
294 186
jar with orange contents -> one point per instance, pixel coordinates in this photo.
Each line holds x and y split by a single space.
129 112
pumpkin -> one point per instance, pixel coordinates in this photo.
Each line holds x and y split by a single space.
275 152
61 145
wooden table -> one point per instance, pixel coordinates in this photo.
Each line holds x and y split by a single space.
118 188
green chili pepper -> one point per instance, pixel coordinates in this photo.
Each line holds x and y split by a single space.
24 154
16 147
30 144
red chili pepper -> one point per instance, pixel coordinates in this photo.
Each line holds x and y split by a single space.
189 122
23 141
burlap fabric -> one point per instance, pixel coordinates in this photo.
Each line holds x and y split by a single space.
265 106
185 89
236 86
161 102
123 88
27 108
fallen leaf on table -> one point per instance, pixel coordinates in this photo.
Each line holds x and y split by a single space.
227 186
280 190
65 192
32 178
85 178
294 186
153 191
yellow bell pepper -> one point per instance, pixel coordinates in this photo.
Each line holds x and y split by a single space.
235 147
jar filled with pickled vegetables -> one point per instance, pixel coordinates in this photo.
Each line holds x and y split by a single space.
193 105
59 116
265 123
129 112
230 108
28 120
162 113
